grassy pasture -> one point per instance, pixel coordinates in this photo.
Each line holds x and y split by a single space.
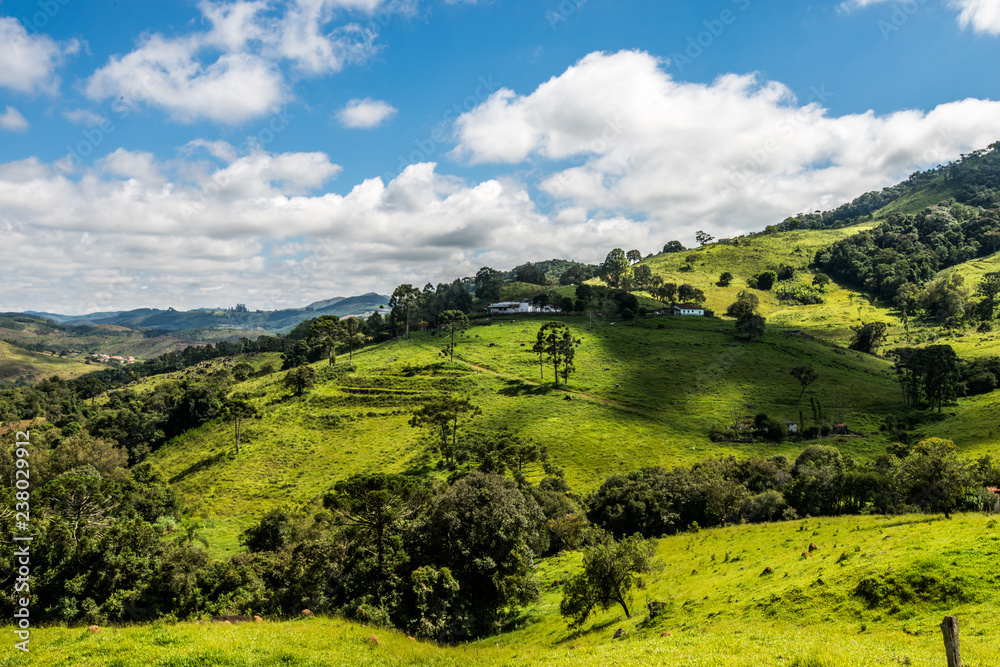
872 592
16 362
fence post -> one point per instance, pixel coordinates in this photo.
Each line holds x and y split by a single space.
949 626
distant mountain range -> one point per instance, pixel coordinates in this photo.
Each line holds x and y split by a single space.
270 321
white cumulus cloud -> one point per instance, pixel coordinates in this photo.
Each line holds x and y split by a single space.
982 15
366 113
28 63
12 120
616 133
240 67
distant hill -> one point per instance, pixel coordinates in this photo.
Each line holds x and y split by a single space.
277 321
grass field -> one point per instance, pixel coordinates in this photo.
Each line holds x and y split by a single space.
719 609
16 362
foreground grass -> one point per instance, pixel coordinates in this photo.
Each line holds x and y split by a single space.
720 609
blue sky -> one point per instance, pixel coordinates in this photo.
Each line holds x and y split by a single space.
194 154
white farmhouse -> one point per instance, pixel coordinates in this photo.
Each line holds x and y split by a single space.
523 307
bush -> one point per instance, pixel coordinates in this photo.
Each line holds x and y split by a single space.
766 506
766 280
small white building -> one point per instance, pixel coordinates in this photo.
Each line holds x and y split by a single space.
686 309
523 307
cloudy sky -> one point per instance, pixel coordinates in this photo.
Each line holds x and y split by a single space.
193 154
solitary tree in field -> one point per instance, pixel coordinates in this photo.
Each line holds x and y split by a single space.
703 237
454 320
609 574
766 280
443 414
556 342
725 278
806 375
820 280
869 337
748 323
239 410
673 246
300 378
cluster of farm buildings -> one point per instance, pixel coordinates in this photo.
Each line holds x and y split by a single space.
527 307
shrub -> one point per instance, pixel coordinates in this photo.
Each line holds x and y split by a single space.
766 506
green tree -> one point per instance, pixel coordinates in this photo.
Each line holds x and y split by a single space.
744 309
943 299
455 320
666 293
300 378
690 294
377 506
820 280
488 283
616 269
673 246
751 327
530 273
989 288
806 375
746 303
485 532
238 410
868 337
555 340
725 278
934 476
272 533
405 300
327 331
766 280
703 237
574 275
633 256
933 373
643 275
610 569
351 331
443 414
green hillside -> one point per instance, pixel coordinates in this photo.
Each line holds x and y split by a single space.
16 363
871 593
641 395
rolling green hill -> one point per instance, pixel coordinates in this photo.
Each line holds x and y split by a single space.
641 395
